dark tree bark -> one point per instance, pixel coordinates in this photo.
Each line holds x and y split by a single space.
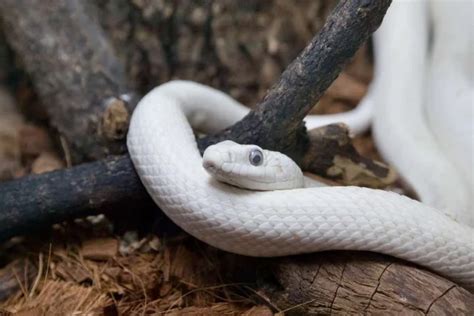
37 201
276 122
75 72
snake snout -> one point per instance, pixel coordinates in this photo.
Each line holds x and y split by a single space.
209 165
212 160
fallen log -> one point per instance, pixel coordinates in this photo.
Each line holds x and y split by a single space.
362 283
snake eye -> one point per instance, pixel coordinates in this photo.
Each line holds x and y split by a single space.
256 157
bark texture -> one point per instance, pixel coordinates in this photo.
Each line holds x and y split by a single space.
331 153
238 47
38 201
355 283
276 122
74 70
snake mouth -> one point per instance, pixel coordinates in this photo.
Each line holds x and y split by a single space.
215 169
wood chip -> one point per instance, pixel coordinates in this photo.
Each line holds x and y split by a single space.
46 162
100 249
75 273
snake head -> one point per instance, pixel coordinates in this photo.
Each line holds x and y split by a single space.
251 167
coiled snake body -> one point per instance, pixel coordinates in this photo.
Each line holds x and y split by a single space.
284 222
277 223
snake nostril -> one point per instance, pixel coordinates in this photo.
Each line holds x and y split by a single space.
210 160
209 165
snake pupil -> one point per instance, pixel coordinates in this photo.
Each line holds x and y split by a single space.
256 157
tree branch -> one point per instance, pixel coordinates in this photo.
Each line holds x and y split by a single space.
276 123
37 201
75 72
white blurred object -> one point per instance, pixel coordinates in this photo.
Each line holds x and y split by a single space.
423 153
449 102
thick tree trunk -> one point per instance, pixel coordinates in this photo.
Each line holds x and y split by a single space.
359 283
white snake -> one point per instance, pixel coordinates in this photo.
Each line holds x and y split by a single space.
411 114
282 222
